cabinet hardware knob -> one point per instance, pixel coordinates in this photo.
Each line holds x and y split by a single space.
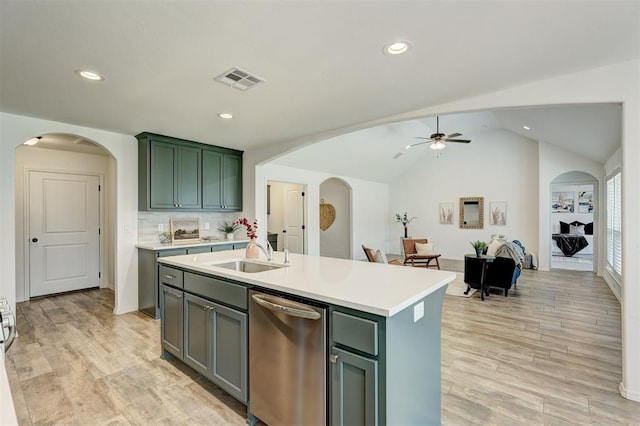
169 277
333 358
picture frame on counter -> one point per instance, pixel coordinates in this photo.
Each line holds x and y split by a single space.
185 230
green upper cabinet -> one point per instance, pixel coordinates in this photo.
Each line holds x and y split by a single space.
221 181
175 174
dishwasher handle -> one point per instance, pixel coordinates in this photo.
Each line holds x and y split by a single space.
266 302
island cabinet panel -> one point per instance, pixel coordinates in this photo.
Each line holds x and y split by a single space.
229 349
172 313
354 389
197 340
216 289
177 174
215 344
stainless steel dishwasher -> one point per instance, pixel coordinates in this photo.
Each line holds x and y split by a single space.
287 361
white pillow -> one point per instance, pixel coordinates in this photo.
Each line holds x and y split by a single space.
576 229
494 246
426 248
379 257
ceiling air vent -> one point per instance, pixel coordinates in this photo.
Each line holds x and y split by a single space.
239 79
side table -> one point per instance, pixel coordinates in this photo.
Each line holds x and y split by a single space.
484 260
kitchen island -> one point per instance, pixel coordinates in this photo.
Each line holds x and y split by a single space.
383 329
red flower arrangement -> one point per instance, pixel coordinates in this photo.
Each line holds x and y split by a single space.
252 228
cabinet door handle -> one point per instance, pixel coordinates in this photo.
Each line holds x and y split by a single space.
333 358
169 277
178 296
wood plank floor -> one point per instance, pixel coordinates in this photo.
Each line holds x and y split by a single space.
550 353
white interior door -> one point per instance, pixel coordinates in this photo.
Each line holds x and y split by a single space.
294 220
64 222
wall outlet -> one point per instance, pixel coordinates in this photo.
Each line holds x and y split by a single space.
418 311
206 225
161 227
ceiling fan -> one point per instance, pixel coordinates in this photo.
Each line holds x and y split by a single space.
438 139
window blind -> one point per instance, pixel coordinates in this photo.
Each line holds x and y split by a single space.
614 223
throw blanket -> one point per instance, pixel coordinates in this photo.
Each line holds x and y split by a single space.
570 244
513 251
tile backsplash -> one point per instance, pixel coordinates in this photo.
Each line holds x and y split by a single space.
148 224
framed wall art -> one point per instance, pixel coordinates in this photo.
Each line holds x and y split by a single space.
185 230
446 212
562 202
498 213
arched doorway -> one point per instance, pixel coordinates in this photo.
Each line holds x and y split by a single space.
64 161
574 222
335 219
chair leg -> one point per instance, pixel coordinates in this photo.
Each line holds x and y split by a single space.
437 263
506 291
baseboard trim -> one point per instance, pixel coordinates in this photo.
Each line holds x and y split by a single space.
629 394
125 310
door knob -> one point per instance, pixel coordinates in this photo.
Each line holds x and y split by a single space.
34 240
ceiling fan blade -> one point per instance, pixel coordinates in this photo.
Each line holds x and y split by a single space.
454 135
457 140
421 137
418 143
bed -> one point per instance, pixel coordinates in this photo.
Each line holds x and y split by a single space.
574 238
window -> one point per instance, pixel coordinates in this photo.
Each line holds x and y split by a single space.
614 222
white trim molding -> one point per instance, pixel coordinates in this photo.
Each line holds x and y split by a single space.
629 394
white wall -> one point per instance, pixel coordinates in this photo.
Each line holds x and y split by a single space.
14 130
370 202
34 158
554 162
498 165
335 241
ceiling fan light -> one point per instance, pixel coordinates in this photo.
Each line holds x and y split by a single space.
438 146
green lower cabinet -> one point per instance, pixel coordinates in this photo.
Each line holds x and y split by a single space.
197 340
172 320
354 389
215 344
230 358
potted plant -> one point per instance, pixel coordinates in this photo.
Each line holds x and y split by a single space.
228 228
404 220
479 246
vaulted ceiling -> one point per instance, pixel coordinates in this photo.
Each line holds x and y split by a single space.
322 62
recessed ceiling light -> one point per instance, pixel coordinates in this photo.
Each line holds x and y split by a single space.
226 115
397 47
526 127
89 75
33 141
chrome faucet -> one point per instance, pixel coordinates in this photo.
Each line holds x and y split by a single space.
286 256
268 252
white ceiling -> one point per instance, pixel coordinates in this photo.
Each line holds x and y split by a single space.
379 153
322 61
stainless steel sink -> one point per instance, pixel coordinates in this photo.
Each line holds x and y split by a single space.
247 266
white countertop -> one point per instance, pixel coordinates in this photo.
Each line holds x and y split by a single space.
160 246
370 287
